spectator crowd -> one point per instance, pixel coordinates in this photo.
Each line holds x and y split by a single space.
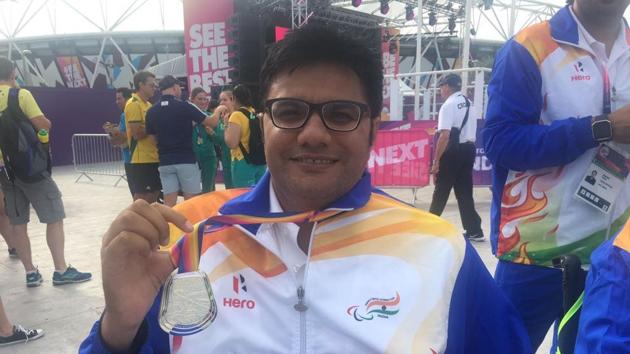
176 145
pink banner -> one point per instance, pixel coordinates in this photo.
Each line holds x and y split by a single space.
206 40
72 72
401 158
281 32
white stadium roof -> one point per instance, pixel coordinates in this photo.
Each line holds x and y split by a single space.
34 18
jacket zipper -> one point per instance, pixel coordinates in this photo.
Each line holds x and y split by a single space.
301 306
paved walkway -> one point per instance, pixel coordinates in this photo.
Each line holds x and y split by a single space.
67 313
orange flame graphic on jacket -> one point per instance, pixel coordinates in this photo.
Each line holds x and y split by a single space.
519 204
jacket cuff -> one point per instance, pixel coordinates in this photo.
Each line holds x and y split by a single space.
138 341
583 133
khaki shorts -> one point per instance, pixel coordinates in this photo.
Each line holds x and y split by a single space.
185 177
43 195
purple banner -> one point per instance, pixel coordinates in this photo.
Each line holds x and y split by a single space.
482 170
74 111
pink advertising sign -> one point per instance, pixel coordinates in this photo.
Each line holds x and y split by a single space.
206 39
72 72
401 158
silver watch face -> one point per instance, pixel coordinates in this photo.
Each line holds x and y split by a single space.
188 305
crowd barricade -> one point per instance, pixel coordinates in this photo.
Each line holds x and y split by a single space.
93 154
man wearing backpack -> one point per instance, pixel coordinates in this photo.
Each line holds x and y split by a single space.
38 189
243 135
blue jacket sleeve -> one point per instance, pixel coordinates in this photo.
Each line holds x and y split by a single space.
481 318
195 114
513 135
149 340
605 319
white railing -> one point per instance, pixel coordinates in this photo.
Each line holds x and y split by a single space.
93 154
425 101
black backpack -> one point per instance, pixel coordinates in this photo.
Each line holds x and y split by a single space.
24 156
256 154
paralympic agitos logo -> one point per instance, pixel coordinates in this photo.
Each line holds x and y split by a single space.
375 307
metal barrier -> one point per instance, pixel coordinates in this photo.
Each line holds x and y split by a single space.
93 154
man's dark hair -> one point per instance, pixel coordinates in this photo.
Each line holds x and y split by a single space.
125 92
314 44
141 77
196 91
242 95
6 68
454 81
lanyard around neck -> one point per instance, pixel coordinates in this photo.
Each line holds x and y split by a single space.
193 245
603 71
607 99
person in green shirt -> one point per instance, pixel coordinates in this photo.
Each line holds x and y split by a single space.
226 98
203 143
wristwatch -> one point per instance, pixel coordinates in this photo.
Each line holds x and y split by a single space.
602 128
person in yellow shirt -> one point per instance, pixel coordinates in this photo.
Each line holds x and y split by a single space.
142 171
19 195
226 98
244 174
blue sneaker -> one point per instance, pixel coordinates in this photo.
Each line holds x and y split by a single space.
34 279
71 275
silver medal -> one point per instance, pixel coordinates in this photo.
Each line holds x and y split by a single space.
188 305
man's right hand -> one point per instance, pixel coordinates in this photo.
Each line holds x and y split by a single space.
134 268
620 120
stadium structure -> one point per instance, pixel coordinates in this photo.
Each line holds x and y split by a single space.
102 43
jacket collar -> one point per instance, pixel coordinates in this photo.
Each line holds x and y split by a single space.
564 28
256 202
168 97
138 97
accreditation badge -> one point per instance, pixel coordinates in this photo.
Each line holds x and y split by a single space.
188 305
604 177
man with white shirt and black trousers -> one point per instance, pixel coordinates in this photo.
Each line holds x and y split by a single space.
455 156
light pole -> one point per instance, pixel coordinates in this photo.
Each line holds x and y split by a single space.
26 73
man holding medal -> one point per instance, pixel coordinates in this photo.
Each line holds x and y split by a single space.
557 113
313 259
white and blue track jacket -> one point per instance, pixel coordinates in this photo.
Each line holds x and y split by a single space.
545 88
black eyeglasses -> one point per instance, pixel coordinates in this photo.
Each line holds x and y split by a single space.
293 113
